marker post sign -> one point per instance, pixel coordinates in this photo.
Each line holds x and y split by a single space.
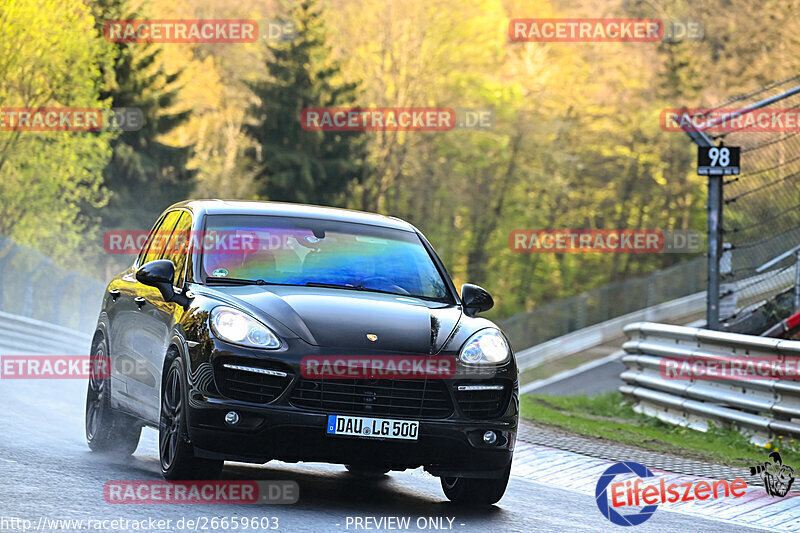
715 162
718 161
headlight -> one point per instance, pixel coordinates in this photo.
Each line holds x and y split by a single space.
240 328
488 346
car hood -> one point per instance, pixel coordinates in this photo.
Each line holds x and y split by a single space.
341 319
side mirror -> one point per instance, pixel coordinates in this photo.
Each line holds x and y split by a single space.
475 299
159 274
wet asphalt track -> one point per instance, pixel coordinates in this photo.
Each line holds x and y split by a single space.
47 471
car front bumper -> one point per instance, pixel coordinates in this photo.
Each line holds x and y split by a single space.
444 447
280 430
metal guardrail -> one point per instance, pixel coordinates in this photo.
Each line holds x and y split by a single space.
32 285
21 335
603 332
592 336
595 306
760 408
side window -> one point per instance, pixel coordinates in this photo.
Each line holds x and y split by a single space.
178 247
159 238
140 260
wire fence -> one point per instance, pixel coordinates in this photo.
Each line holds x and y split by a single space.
598 305
761 206
32 285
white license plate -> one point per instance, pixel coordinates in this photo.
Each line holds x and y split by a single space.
360 426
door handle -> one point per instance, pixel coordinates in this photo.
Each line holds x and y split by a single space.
114 294
140 301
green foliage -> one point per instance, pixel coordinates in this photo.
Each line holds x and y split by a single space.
576 141
51 56
145 175
292 164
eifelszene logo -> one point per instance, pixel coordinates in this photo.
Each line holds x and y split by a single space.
777 477
601 497
632 491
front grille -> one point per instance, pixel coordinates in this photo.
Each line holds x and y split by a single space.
483 404
243 382
385 397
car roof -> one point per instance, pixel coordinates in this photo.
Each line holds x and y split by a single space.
246 207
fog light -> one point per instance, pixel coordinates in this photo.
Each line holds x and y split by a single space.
232 418
490 437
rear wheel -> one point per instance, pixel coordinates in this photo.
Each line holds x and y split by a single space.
107 430
476 491
177 458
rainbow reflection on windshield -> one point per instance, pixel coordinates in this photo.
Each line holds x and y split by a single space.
299 251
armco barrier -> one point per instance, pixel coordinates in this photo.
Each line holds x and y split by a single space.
21 335
32 285
592 336
761 408
603 332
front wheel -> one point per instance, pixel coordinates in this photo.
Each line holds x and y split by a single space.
176 455
476 491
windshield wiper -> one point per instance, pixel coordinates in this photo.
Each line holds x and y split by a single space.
336 286
240 281
362 288
352 287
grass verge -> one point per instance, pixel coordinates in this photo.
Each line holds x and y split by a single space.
611 417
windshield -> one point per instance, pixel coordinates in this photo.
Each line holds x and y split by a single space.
300 251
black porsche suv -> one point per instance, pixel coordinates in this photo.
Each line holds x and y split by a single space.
212 333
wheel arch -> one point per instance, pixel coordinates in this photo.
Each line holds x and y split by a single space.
175 348
101 330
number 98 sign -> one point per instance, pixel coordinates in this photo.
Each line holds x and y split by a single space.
718 161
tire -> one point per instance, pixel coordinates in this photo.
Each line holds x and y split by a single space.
175 452
475 491
107 430
368 472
